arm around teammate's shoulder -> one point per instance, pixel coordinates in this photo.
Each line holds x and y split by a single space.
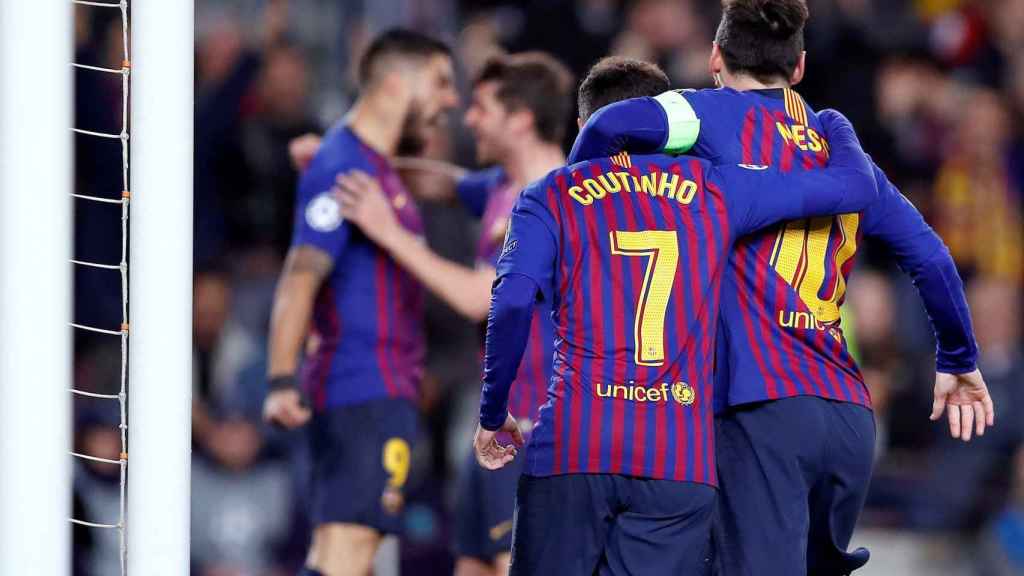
759 196
636 125
849 183
364 205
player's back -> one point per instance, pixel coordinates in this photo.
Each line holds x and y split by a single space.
782 295
367 315
630 253
641 247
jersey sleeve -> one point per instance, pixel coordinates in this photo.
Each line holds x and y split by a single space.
525 272
665 123
318 220
531 242
759 196
508 330
923 256
474 188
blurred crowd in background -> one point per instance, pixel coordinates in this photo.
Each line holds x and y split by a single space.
934 87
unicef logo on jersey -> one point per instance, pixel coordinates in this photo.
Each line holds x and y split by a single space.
323 214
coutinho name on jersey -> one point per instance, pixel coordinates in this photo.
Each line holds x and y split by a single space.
656 184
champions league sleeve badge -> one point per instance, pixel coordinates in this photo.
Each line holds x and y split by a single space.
323 213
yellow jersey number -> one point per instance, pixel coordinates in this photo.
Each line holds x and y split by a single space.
661 249
799 256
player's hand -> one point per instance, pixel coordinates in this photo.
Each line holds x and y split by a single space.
492 455
301 150
285 408
364 204
969 405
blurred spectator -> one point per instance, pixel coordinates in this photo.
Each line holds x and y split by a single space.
228 65
264 205
211 303
977 209
242 508
1002 548
871 300
479 42
577 32
958 471
97 491
671 33
910 95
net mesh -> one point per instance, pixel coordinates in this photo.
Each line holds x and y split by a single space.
122 267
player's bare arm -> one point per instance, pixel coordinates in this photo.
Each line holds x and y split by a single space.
466 290
429 179
304 271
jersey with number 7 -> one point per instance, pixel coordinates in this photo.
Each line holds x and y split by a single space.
629 252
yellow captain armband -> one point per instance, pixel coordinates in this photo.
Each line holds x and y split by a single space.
683 124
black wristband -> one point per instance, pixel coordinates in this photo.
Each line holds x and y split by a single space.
288 382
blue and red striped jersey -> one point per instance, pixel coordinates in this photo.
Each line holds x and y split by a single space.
367 339
489 197
628 254
780 306
780 323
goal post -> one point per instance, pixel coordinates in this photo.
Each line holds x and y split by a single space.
35 287
160 287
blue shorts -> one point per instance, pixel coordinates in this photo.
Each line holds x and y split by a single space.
361 459
793 474
607 524
484 510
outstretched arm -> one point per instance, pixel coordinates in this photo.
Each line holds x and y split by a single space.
923 256
466 290
431 180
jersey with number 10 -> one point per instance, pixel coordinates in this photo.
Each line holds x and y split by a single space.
780 323
629 253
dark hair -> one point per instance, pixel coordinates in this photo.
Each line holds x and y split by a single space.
616 78
401 43
762 38
537 82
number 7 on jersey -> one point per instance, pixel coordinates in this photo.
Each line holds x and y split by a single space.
661 248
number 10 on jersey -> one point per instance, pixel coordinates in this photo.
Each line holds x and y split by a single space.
661 248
